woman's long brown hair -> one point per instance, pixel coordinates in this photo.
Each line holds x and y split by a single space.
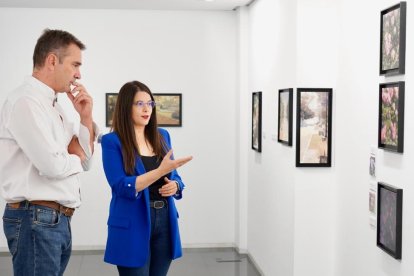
123 125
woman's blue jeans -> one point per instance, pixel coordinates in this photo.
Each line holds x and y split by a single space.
39 239
159 257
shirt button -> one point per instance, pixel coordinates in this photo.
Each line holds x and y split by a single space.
129 185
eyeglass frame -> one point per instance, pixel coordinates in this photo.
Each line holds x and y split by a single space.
140 104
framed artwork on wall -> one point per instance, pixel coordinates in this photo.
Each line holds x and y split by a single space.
389 219
392 44
285 116
257 121
313 127
391 116
169 109
110 102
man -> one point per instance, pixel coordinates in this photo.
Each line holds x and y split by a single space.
41 157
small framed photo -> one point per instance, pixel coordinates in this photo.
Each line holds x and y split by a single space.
257 121
392 49
391 116
169 109
313 127
389 219
110 102
285 116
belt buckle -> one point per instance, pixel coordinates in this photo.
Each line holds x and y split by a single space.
158 204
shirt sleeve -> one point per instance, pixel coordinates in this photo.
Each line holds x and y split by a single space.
31 128
84 141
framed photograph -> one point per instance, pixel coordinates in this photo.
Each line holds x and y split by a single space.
313 127
392 49
389 219
391 116
169 109
285 116
257 121
110 102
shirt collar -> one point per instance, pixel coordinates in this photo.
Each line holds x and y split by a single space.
42 90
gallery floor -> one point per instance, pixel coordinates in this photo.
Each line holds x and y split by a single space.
195 262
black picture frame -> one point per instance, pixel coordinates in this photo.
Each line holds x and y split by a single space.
257 121
392 39
314 127
169 108
110 102
285 116
391 116
389 219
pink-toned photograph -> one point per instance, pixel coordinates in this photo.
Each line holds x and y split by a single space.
393 29
389 217
391 116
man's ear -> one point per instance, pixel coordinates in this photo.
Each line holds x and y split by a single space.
51 61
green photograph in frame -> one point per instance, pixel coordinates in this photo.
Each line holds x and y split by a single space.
169 109
110 102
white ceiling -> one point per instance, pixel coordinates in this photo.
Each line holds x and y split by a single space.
128 4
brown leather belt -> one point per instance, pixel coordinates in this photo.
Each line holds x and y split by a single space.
51 204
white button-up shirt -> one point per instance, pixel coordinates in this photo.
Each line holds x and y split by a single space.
34 138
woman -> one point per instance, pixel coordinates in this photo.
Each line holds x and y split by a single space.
143 235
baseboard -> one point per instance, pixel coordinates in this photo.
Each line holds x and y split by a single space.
88 247
254 264
208 245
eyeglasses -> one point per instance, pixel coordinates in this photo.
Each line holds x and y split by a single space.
149 104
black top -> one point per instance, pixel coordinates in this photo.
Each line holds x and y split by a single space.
151 163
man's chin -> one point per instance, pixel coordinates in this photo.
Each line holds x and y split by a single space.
64 90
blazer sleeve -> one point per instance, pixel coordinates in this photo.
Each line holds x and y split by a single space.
122 184
174 174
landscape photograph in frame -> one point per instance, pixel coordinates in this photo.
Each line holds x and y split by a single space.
285 116
110 102
257 121
169 109
313 127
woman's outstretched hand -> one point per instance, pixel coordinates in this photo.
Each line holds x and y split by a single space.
167 164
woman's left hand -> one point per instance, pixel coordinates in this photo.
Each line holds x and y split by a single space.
169 189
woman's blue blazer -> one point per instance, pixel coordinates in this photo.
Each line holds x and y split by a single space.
129 212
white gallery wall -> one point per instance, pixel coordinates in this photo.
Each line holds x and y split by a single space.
356 132
192 53
271 206
315 221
